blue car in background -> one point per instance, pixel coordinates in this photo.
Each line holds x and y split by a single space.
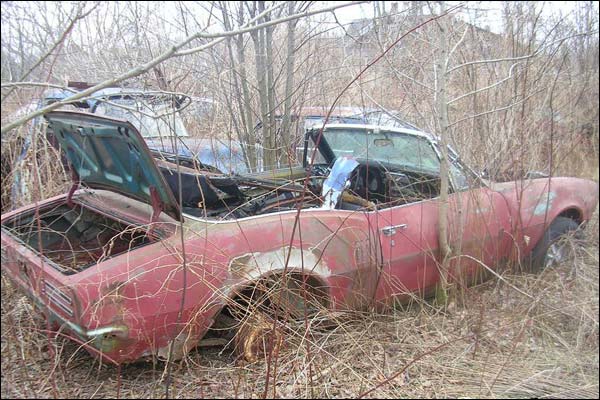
215 155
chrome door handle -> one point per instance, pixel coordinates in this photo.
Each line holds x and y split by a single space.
392 229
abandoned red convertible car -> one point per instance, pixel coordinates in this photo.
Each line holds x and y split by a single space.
141 254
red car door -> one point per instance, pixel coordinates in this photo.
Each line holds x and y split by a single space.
478 229
408 236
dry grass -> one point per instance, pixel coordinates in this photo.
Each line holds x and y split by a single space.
499 343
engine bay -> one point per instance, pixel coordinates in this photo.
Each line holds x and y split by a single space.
74 237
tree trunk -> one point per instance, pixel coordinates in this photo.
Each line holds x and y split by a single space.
245 134
289 87
442 115
271 131
258 38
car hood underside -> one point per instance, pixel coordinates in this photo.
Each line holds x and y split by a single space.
110 154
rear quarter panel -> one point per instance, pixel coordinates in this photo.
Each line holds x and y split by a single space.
338 248
534 204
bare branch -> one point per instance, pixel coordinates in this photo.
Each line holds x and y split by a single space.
172 52
79 15
510 75
462 38
35 84
495 109
535 53
263 25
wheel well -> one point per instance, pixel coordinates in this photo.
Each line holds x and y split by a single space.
573 214
317 294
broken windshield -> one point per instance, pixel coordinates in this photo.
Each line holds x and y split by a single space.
395 148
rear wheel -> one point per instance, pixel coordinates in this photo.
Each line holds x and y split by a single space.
554 247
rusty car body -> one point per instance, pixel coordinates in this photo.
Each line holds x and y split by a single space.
142 253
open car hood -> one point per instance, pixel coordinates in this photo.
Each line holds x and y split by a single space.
111 154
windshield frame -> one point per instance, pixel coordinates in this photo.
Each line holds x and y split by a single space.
328 153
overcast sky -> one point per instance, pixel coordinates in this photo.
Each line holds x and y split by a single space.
485 14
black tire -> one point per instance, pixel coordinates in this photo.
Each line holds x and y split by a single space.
559 228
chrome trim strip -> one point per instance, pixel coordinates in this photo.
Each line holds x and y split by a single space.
58 298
